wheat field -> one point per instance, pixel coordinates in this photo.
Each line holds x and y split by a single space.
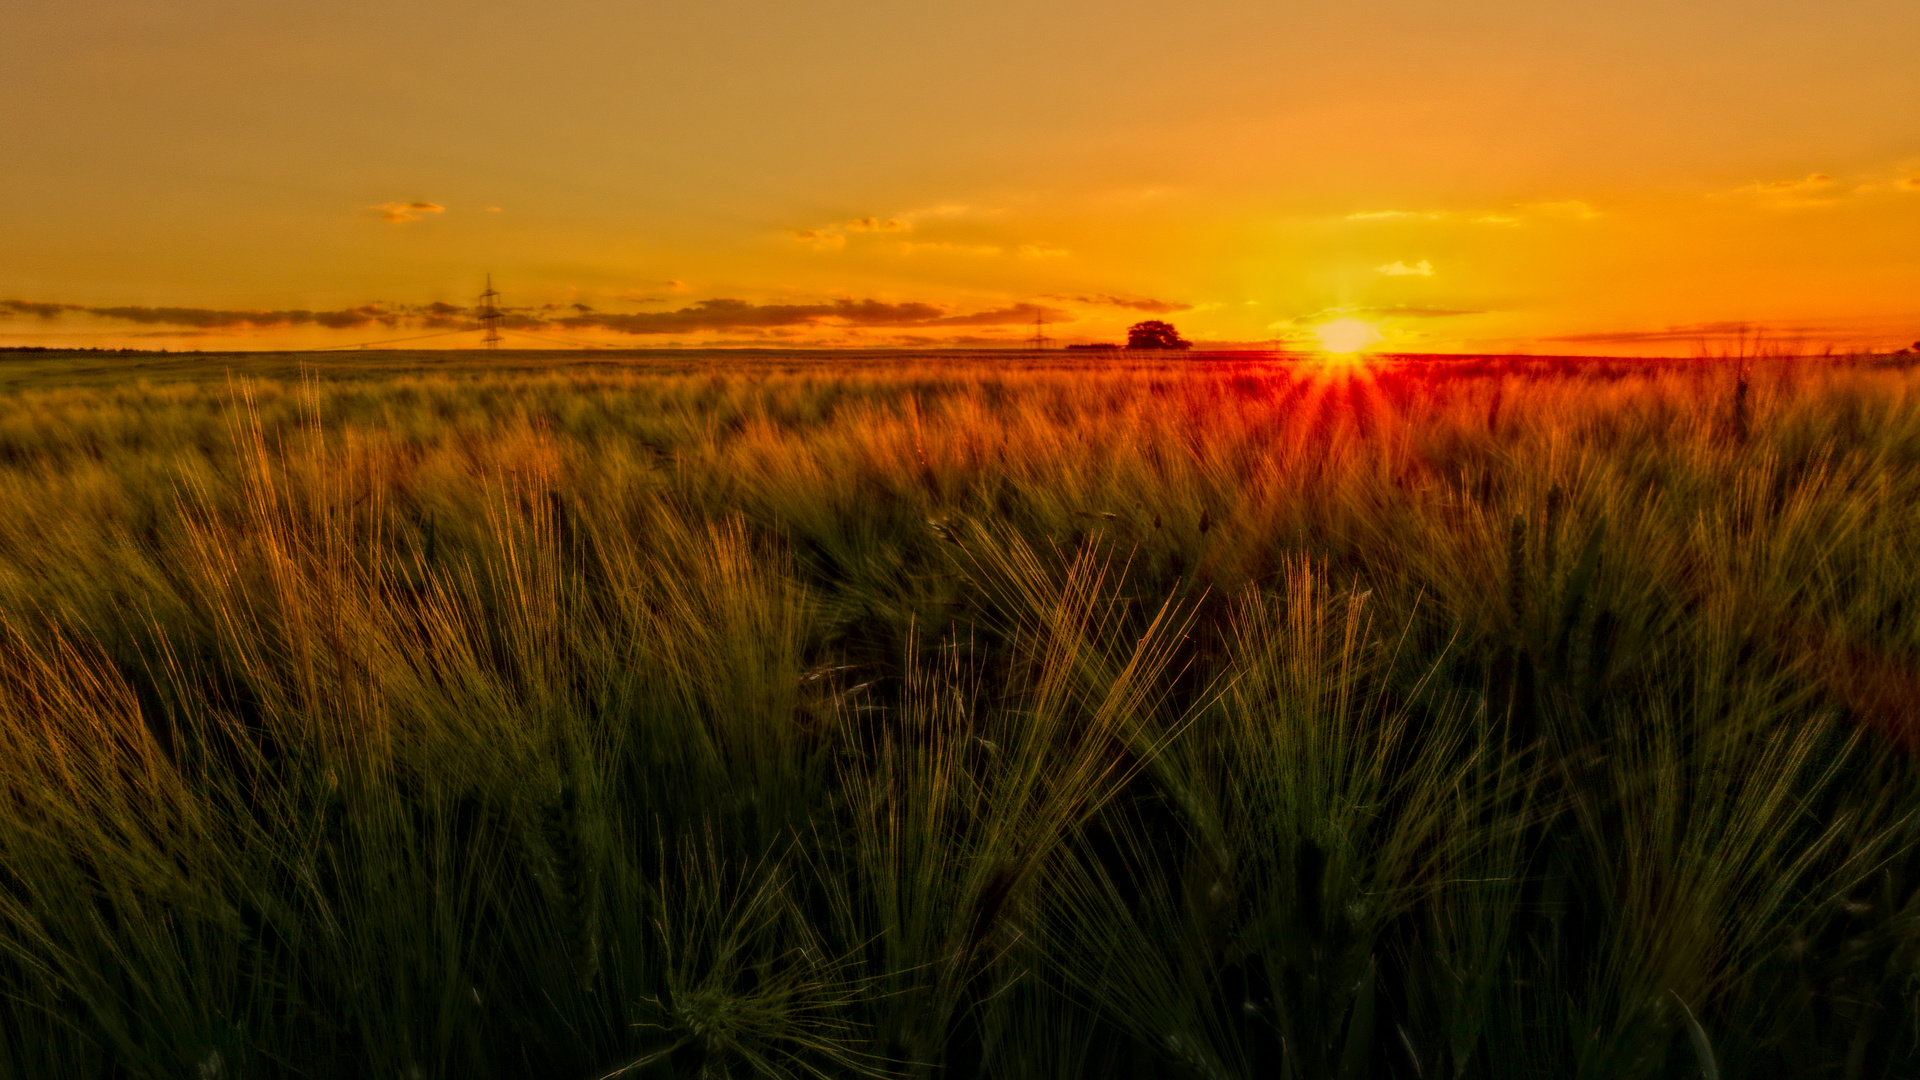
416 716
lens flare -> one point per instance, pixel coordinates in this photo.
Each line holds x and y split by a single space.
1342 336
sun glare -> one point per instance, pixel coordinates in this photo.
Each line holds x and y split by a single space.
1342 336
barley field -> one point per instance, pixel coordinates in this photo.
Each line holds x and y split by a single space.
456 715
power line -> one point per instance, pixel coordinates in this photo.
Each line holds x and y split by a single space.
1039 328
390 341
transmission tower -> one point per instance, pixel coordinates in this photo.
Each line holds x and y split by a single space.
1039 329
489 315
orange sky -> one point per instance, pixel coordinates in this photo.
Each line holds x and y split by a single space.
1635 176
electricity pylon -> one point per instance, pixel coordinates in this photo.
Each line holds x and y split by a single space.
489 315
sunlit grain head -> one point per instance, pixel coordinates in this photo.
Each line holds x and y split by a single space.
1347 336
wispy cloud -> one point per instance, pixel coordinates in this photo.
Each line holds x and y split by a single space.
1511 216
1042 251
1011 315
1812 182
1131 303
1564 208
820 239
1423 268
1347 311
644 296
833 237
1417 312
943 247
946 210
1821 189
1812 191
402 212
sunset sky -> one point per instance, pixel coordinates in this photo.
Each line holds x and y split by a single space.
1637 176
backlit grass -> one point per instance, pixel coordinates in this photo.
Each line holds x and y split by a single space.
416 717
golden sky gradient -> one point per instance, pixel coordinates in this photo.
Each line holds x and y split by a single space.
1490 175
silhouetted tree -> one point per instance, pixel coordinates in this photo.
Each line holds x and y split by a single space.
1154 334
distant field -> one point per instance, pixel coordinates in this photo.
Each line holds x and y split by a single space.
532 715
36 369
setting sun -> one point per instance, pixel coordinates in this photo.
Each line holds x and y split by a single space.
1347 335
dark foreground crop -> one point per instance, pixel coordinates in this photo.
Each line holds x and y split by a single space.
1176 721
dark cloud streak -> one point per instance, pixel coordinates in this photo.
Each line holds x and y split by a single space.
1146 304
705 315
741 315
214 318
1691 332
